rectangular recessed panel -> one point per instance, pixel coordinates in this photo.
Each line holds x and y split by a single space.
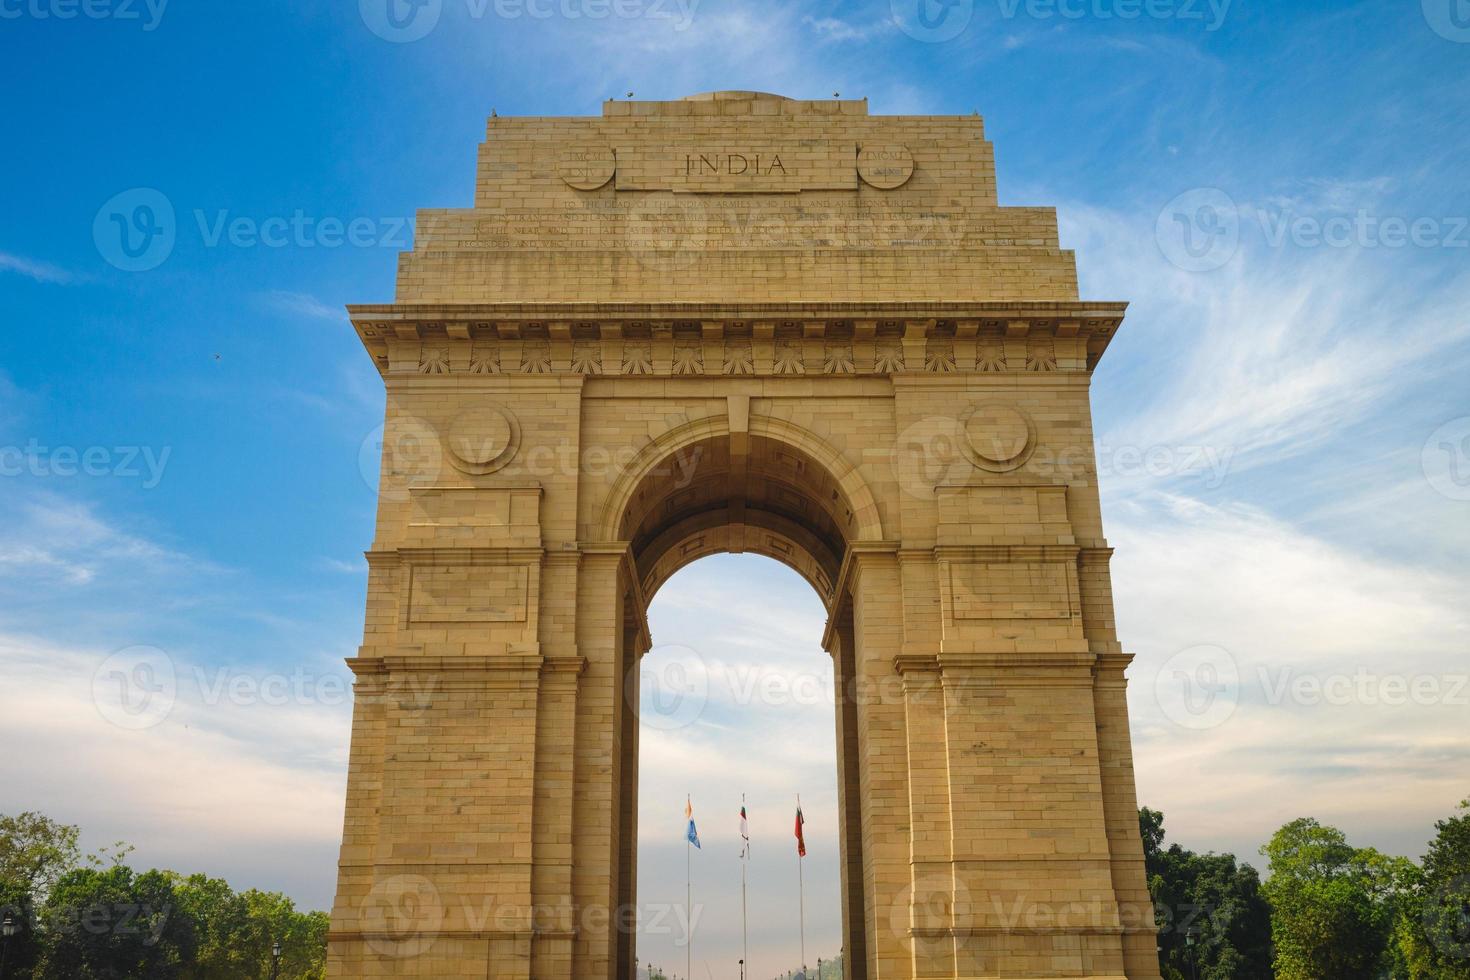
758 165
1010 590
468 594
460 508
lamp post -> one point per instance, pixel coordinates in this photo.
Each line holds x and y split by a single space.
8 929
275 958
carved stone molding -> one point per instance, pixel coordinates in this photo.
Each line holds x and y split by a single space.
446 341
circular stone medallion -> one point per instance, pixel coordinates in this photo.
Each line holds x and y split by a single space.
885 166
482 440
998 437
587 167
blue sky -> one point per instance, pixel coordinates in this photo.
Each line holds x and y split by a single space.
1278 188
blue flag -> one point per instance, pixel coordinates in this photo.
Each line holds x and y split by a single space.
693 835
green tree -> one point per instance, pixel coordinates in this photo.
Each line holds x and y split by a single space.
1333 906
17 903
235 932
1211 900
1432 932
35 851
114 924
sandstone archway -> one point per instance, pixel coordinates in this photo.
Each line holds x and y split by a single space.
856 363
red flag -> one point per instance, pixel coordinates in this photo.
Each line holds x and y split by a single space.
800 839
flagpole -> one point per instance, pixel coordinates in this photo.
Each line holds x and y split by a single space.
688 907
744 921
801 900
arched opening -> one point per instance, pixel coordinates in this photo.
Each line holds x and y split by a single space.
736 704
776 492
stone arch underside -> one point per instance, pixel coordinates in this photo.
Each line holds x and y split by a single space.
739 493
775 490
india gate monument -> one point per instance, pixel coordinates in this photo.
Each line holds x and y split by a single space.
739 322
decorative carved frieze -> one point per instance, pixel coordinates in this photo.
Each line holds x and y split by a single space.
739 358
434 359
638 359
837 358
734 347
484 358
587 357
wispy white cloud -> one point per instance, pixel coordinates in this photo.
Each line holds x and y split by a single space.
303 304
1273 354
271 750
35 269
837 30
1346 676
344 567
52 538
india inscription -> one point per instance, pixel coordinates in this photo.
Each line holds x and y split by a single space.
740 322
